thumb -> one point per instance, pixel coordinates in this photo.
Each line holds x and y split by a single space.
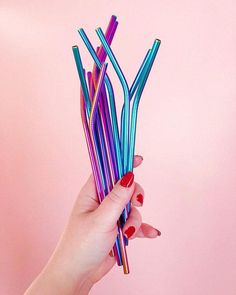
112 206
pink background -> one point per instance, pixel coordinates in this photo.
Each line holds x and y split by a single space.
186 134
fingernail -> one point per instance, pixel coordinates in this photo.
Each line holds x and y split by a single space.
127 179
140 198
130 231
141 157
158 232
111 253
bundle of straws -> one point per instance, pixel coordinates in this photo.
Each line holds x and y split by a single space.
111 150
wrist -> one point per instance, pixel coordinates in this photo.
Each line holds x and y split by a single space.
85 288
63 278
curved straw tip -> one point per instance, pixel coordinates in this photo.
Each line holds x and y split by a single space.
75 47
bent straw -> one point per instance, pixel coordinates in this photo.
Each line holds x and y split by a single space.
103 108
101 142
110 32
113 111
125 144
116 247
136 101
134 87
112 105
111 100
80 70
92 130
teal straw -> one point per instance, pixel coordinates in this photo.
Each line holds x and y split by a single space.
133 89
85 91
80 70
136 101
111 100
139 74
125 143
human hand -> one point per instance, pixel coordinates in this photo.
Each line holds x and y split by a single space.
81 257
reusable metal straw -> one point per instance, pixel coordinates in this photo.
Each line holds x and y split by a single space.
111 101
80 70
125 144
136 101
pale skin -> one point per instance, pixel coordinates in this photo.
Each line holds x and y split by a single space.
81 257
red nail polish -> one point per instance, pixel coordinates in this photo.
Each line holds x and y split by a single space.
158 232
127 179
140 198
130 231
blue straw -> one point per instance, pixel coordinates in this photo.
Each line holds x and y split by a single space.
125 143
136 101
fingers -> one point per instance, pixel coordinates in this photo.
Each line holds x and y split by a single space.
138 196
87 199
147 231
132 224
112 206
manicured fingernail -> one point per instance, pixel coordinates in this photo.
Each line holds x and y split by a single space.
127 179
111 253
158 232
130 231
141 157
140 198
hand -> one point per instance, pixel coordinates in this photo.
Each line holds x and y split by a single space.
81 257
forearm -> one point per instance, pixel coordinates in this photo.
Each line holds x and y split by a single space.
55 280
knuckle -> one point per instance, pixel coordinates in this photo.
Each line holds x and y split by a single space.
115 197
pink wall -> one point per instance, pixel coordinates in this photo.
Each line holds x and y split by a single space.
190 164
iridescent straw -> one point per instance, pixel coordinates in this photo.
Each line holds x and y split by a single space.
103 100
125 144
132 90
136 100
105 115
92 121
125 126
80 70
